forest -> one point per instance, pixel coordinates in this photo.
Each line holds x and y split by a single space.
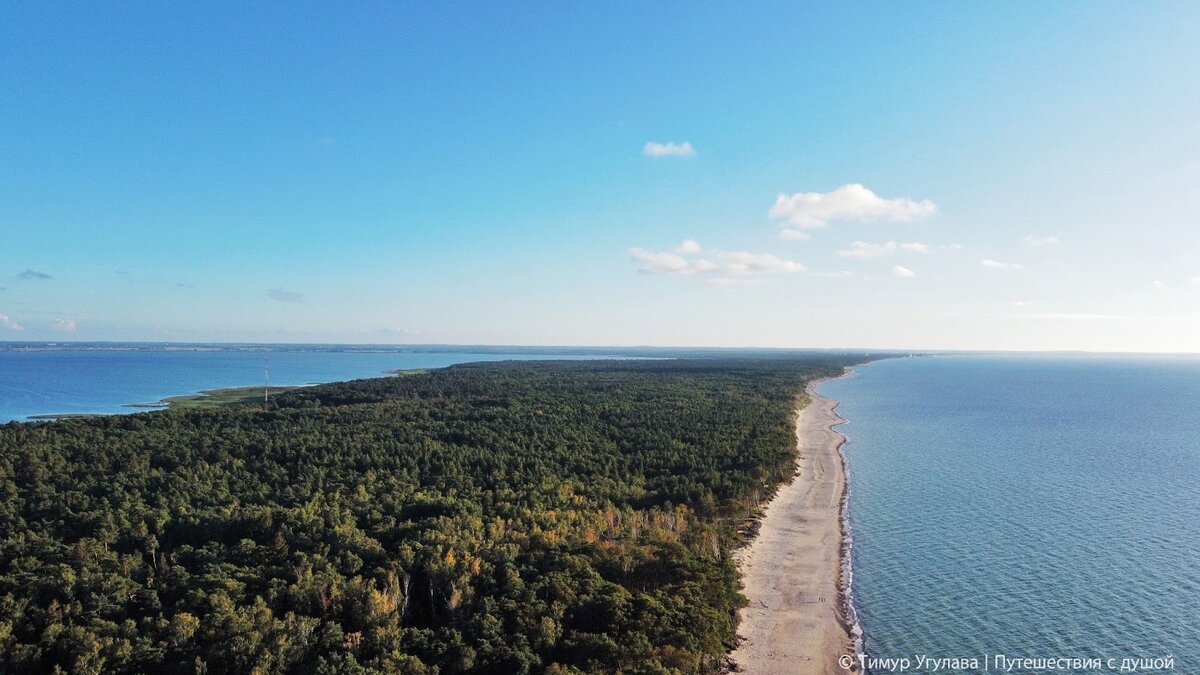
512 517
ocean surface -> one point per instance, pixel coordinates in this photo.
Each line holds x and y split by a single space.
48 381
1039 507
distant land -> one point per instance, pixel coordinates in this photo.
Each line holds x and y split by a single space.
64 379
645 351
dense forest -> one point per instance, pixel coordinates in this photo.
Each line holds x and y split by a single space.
516 517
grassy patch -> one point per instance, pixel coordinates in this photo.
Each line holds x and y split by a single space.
218 398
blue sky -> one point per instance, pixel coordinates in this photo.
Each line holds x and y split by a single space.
486 173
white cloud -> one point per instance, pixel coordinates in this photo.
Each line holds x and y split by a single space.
670 149
866 249
903 272
1021 303
793 234
997 265
665 262
735 281
1067 316
806 210
10 324
954 247
64 325
745 262
683 261
1040 241
1196 279
281 295
400 330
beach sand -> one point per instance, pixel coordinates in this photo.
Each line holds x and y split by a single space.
792 571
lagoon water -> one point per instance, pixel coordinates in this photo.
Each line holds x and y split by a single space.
52 381
1031 506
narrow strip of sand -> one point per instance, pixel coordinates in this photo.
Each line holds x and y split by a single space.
792 571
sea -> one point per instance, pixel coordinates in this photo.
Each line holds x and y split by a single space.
1024 514
46 379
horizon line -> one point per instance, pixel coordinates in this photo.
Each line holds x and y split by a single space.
865 350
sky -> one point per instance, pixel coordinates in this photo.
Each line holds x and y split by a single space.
939 175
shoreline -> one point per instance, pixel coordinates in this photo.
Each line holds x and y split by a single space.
796 571
205 398
846 611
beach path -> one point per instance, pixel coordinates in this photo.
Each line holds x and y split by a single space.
792 569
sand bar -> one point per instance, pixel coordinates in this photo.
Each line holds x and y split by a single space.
792 571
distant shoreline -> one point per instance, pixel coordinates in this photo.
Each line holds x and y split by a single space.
214 398
210 398
207 398
90 399
795 571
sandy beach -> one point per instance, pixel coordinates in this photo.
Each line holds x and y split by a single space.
792 571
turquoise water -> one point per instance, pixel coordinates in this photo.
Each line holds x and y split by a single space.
54 381
1036 507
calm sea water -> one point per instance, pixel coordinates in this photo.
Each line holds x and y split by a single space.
53 382
1036 507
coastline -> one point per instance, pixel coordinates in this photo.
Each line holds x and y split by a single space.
206 398
796 571
846 612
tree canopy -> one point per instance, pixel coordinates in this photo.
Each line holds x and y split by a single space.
515 517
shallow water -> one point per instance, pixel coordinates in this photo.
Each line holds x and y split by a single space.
1031 506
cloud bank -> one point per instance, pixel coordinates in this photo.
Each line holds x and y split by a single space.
10 324
64 326
808 210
